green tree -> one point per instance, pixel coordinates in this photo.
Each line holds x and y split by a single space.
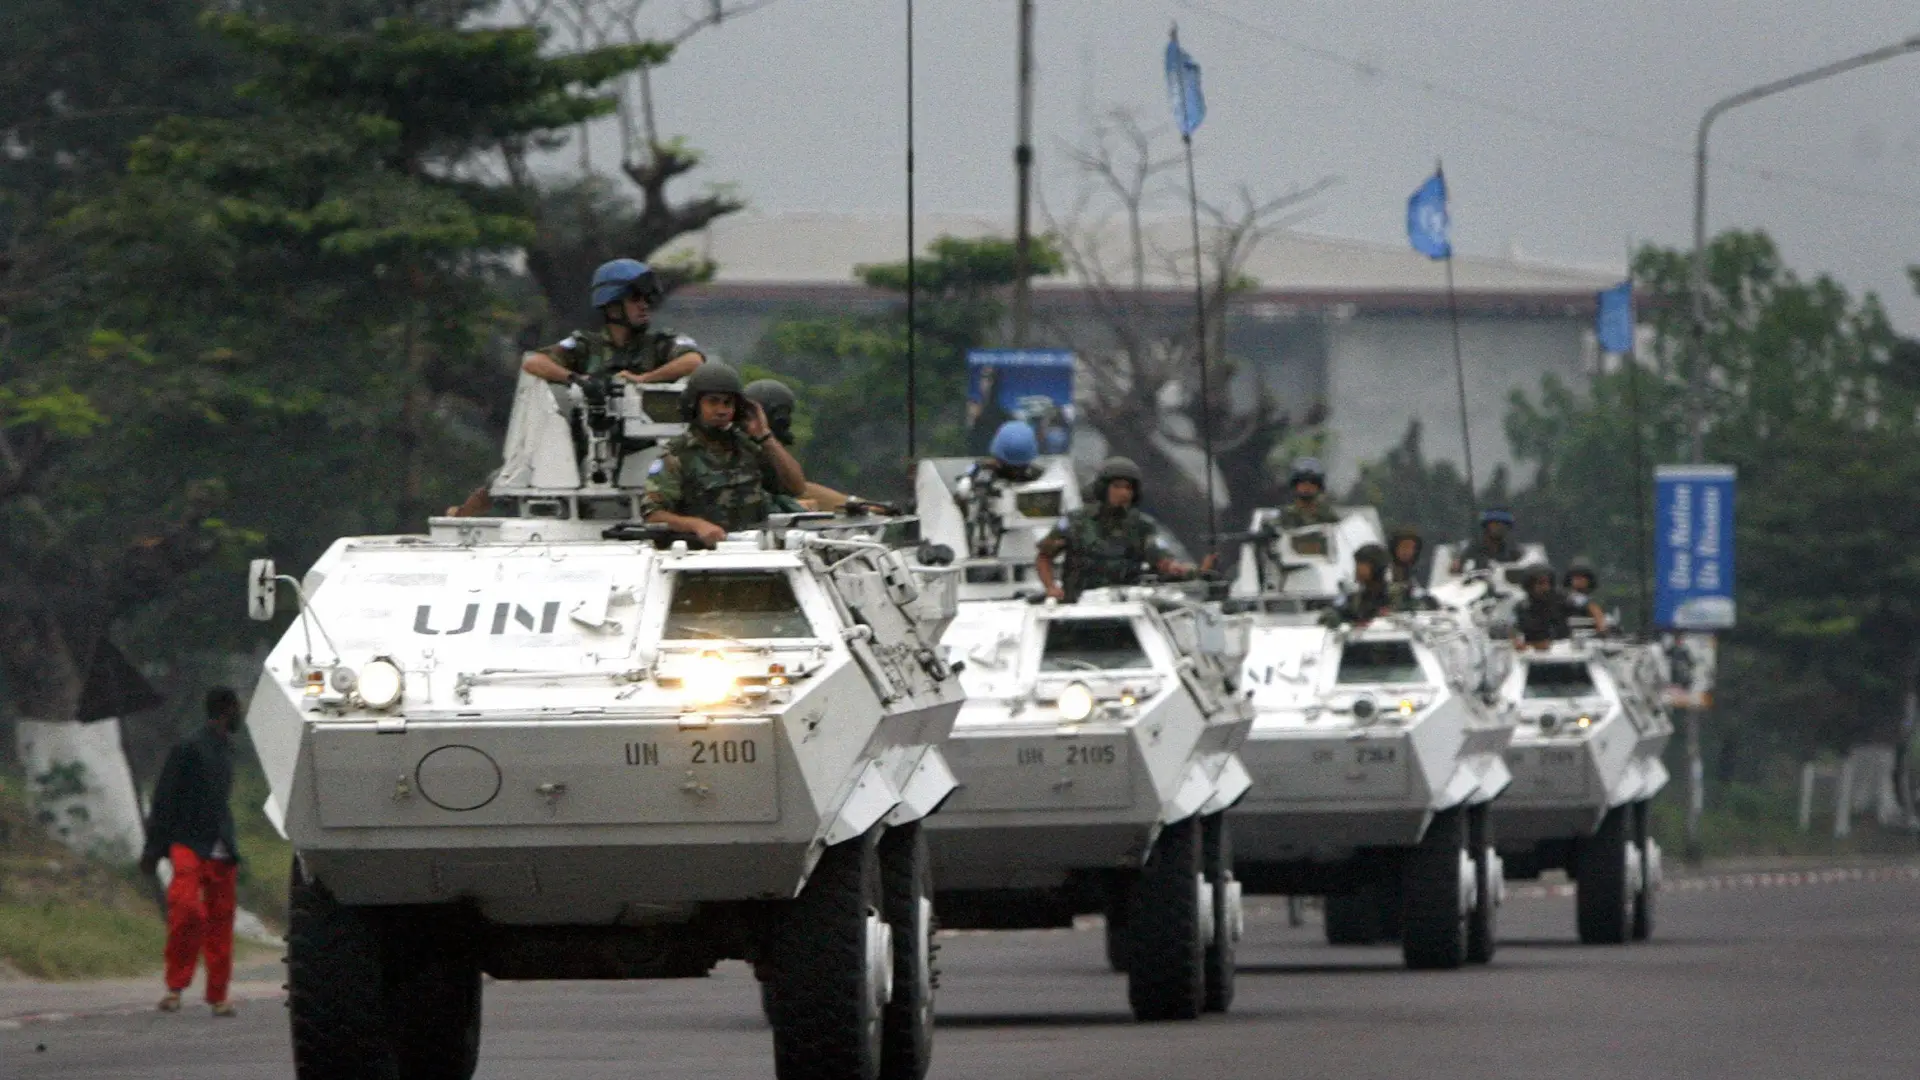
273 324
850 371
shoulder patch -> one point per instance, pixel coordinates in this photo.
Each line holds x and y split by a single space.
1065 523
570 342
659 465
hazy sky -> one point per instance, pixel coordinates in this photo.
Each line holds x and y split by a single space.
800 105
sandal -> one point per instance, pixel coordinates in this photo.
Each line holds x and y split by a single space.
170 1003
223 1008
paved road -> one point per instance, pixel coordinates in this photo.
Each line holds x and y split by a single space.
1791 983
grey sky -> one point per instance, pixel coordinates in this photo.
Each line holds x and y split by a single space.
800 106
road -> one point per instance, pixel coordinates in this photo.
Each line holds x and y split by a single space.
1792 982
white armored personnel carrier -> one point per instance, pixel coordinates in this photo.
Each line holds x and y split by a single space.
1096 756
1586 765
1375 753
554 746
1095 753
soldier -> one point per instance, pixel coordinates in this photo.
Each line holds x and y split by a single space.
1373 597
1309 482
1403 580
1495 544
625 291
723 474
1106 543
776 399
1581 581
1542 617
1010 459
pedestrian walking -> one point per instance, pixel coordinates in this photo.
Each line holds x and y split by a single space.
191 826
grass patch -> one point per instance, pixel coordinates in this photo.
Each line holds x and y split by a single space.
1757 820
79 940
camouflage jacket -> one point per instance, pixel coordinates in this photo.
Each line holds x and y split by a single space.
1364 605
1102 548
1293 516
716 476
594 353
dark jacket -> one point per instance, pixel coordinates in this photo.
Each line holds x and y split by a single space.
1543 619
190 803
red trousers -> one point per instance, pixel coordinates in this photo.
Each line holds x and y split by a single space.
200 919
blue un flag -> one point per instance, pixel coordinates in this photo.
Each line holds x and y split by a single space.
1183 87
1614 324
1428 228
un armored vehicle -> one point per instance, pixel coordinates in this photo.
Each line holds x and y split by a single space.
1375 753
559 746
1586 765
1096 756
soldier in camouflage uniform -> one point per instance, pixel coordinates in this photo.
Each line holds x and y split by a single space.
776 399
724 474
1403 580
1105 543
1372 596
625 291
1309 482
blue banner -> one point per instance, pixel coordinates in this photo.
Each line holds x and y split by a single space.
1035 385
1693 547
1613 325
1183 87
1429 229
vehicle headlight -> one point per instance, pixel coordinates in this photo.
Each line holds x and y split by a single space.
1585 721
707 681
1075 702
381 683
1407 707
1363 708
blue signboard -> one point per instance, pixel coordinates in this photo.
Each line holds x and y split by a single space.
1693 547
1035 385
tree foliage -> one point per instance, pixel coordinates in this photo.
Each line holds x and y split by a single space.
1812 397
273 322
849 371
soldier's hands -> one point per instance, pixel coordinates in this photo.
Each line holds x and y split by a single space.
1055 592
709 533
754 420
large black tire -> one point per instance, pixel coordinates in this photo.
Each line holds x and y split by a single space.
1216 845
1483 920
1166 960
433 985
1353 918
1117 898
906 876
1434 933
335 1002
391 994
826 1020
1643 899
1603 902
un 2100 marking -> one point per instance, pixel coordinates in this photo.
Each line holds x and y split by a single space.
704 752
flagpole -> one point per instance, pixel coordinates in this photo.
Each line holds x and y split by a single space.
1639 463
1459 365
1200 323
912 324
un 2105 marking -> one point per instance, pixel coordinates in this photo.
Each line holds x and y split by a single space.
1091 755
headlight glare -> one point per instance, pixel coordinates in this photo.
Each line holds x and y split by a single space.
707 681
381 683
1075 703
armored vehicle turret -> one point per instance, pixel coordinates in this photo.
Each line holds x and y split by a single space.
994 523
1375 752
553 746
1586 765
1095 756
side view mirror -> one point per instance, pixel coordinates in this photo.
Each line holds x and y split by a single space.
262 587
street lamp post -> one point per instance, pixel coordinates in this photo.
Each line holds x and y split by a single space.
1697 378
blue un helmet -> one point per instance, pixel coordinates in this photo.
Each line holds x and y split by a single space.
1497 513
614 280
1014 443
1309 469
